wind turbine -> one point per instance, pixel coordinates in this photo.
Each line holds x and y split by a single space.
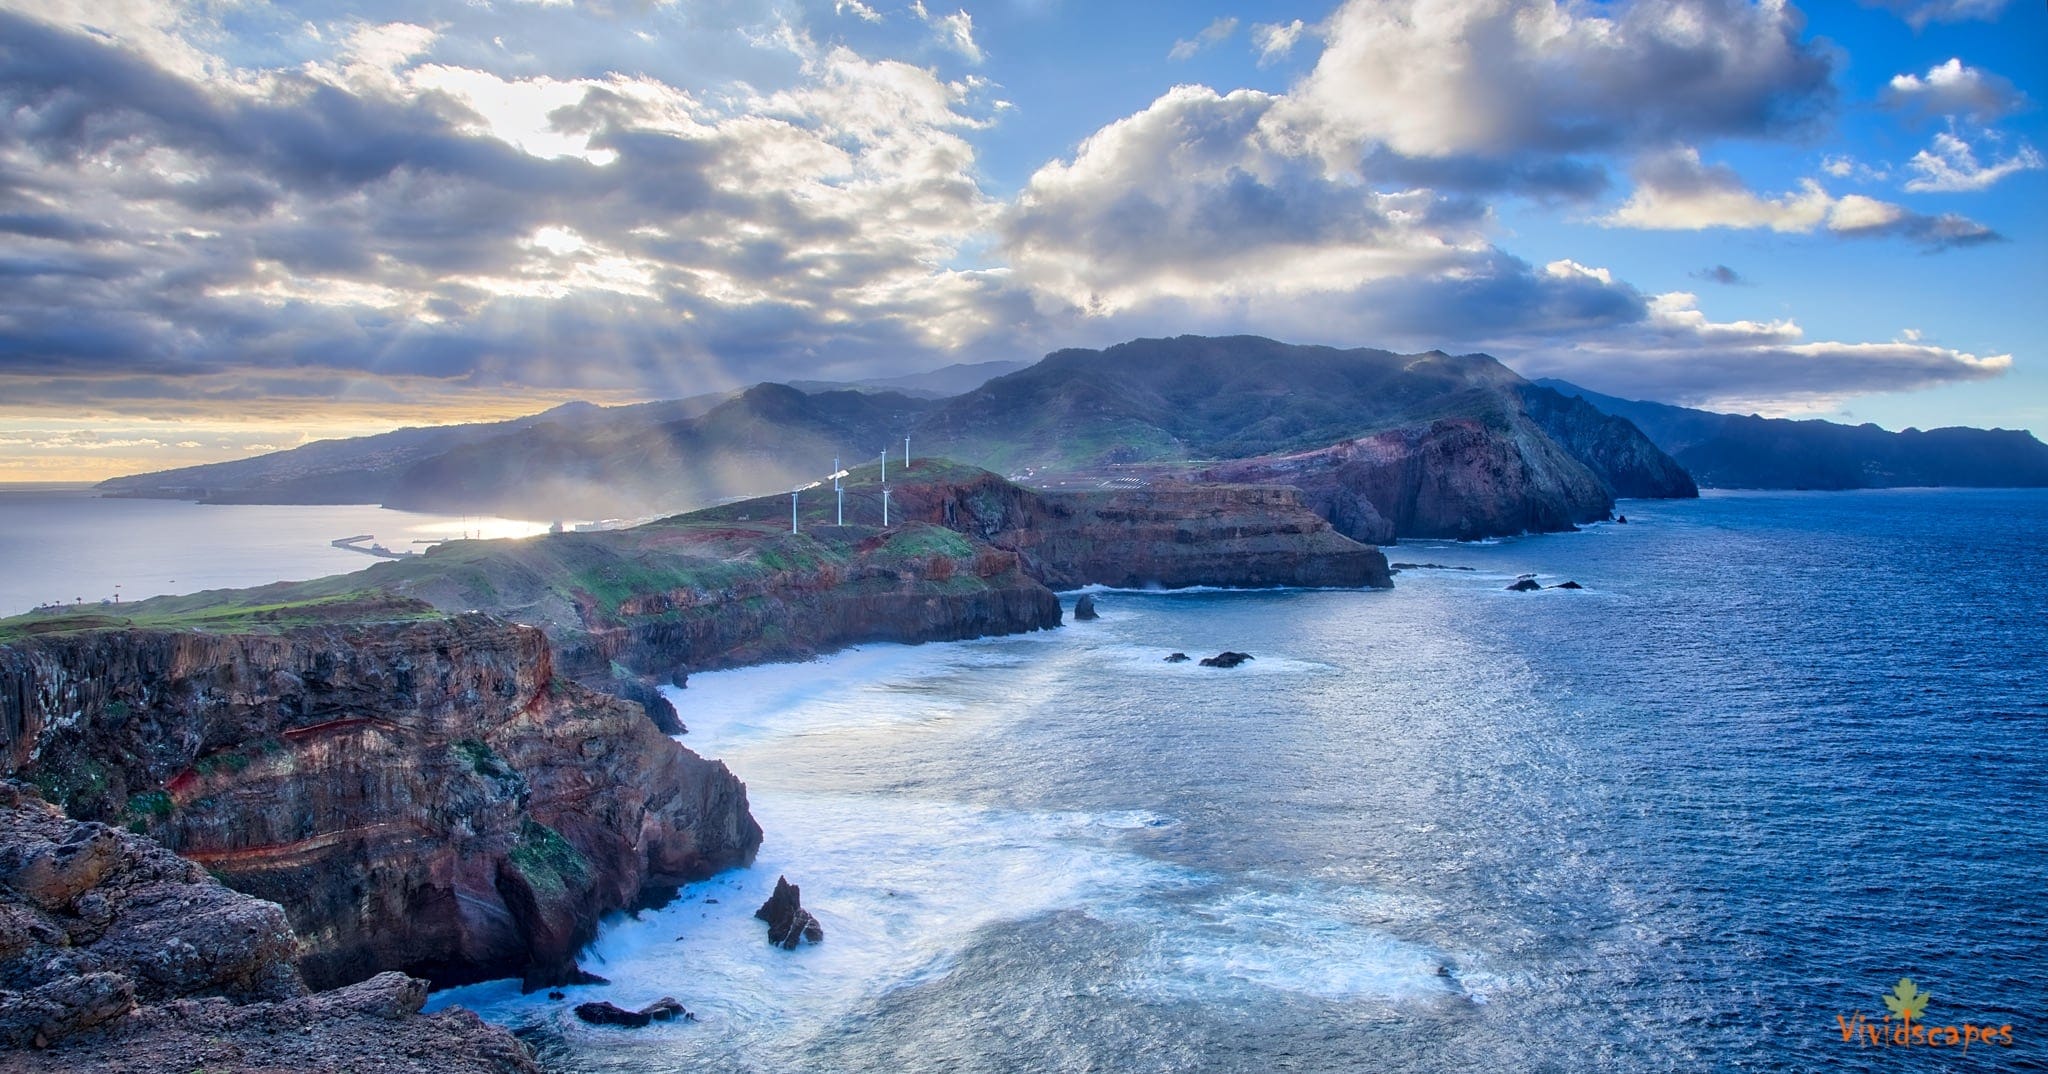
840 489
792 501
906 453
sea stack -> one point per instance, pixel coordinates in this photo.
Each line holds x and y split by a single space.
788 921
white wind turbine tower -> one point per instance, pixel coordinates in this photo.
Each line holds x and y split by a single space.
838 489
792 501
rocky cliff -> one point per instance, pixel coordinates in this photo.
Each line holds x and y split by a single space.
424 795
118 956
1166 533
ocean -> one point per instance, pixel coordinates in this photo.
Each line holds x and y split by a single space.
66 544
1783 750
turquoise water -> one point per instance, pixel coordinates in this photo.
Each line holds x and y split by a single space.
1783 750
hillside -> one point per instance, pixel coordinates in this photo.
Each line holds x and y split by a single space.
1383 445
1735 451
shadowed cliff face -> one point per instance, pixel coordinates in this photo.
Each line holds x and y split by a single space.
426 796
117 955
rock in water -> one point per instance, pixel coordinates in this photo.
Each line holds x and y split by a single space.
1084 609
665 1009
1623 520
1225 659
605 1014
788 921
1568 585
1525 585
1176 658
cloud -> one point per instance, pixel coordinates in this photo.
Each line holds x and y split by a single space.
1677 355
1212 35
1676 191
1953 89
1496 77
386 216
1950 165
1848 167
1720 274
954 32
1918 13
1275 40
857 9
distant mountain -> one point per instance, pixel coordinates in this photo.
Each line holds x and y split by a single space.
1381 444
366 469
935 384
1734 451
1384 444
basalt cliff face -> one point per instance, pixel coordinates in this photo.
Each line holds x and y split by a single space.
118 956
1455 478
1167 534
427 796
911 584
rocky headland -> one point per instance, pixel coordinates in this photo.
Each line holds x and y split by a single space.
429 764
424 795
117 955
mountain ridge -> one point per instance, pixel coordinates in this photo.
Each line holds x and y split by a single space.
1750 451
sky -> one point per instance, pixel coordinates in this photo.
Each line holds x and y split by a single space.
229 227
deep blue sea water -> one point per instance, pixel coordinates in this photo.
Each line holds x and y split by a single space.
1783 750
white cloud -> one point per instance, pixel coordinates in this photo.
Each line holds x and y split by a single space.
1950 165
1921 12
1678 354
1212 35
1954 89
1676 191
1275 40
1847 167
857 9
1433 78
955 31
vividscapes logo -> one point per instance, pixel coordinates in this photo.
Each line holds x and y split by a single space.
1903 1028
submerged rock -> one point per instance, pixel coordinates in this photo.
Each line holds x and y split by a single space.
1525 585
1225 659
1568 585
788 921
1084 609
1176 658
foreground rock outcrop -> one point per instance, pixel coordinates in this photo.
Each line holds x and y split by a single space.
427 795
117 955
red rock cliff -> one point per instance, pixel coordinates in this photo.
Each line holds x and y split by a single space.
425 795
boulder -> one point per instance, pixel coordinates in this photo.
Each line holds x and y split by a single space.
788 922
601 1013
1176 658
1084 609
1225 659
1525 585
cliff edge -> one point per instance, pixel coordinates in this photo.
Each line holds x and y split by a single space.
118 956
